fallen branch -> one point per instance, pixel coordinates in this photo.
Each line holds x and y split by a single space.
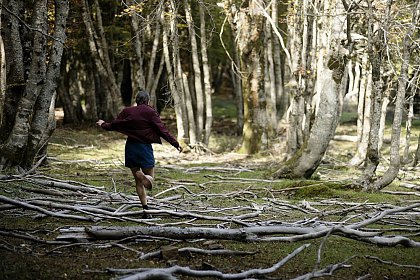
199 251
168 272
25 205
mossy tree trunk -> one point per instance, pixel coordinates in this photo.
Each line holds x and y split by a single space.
251 65
329 86
247 24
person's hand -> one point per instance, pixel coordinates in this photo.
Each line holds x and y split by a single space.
179 149
100 122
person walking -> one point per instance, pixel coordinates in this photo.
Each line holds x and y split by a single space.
142 126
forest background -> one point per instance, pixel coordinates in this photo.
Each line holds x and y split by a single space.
275 81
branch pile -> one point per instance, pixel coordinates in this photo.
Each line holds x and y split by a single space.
180 214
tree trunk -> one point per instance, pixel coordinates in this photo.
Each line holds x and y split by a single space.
250 20
330 85
394 166
230 11
363 112
111 94
413 83
2 71
15 67
137 46
27 137
198 86
43 120
69 89
206 77
375 51
300 37
171 68
152 82
282 99
270 84
190 111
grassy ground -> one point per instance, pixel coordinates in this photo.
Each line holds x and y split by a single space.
95 157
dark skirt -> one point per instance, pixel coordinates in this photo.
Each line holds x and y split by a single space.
138 154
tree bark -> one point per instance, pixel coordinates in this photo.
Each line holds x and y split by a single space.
363 112
198 86
394 166
2 71
250 20
206 77
169 24
375 51
34 96
138 48
110 96
236 78
330 84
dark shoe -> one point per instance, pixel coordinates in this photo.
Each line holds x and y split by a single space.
146 216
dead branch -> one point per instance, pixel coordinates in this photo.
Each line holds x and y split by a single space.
198 251
393 263
30 237
44 211
401 193
168 272
327 271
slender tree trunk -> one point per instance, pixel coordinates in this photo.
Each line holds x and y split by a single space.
206 77
282 99
384 111
168 25
230 11
99 51
394 166
70 88
410 115
409 123
2 71
375 52
363 112
198 86
89 85
302 46
138 47
417 154
270 85
152 76
192 130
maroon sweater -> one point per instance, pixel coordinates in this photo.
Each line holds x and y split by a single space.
141 123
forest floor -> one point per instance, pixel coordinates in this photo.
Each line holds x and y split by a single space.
321 226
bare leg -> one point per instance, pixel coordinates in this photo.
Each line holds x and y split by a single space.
150 172
141 192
